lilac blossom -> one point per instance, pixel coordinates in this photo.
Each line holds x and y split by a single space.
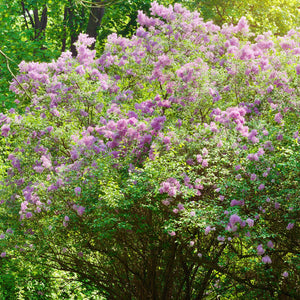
204 163
199 158
80 210
237 167
165 202
279 137
250 222
221 238
204 152
158 122
285 274
277 205
46 163
28 215
265 132
278 118
5 130
77 191
234 219
260 250
180 206
220 144
170 186
235 202
260 152
266 259
208 229
253 157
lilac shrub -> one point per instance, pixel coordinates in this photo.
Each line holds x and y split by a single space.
169 165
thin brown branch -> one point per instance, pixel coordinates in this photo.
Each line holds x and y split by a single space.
13 75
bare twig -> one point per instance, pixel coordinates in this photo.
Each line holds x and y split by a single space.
12 74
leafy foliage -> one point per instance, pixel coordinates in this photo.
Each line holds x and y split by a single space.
168 166
276 16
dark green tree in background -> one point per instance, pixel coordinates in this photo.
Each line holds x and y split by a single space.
41 30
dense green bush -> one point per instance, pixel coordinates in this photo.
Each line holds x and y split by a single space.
166 168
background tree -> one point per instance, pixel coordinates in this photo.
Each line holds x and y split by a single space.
41 30
277 16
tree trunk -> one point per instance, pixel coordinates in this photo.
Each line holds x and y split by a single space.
40 24
95 17
73 31
64 35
